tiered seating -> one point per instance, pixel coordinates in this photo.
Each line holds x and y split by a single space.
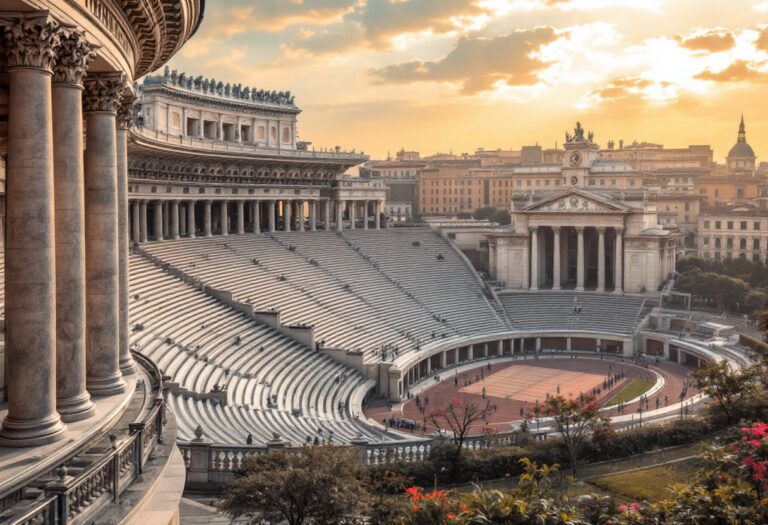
361 290
273 384
598 312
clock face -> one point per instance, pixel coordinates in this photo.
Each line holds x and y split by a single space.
574 180
575 159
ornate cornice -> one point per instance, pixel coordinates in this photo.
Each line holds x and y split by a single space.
74 55
125 110
103 92
32 42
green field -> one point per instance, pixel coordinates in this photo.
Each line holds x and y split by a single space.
647 484
635 388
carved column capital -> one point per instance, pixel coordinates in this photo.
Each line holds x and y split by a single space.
103 92
556 229
579 229
125 110
32 42
73 56
600 230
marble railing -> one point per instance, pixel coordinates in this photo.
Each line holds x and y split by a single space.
239 147
60 498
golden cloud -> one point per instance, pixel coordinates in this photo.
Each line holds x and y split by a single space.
738 71
712 40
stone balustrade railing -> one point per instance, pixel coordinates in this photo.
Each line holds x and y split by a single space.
62 499
239 147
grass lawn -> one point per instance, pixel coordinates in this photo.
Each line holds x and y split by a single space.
635 388
647 484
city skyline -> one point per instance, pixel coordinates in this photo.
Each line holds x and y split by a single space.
456 75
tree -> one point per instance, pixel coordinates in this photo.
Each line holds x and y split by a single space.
502 217
574 419
726 386
459 416
317 485
484 213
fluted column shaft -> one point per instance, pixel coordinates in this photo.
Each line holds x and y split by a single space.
352 214
556 271
207 228
143 221
618 272
534 258
158 220
313 215
339 216
377 212
580 259
271 215
224 217
256 207
240 217
124 121
601 259
287 215
327 211
30 264
191 226
365 215
102 262
300 214
174 219
166 219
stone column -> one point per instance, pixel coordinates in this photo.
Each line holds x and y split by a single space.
240 217
619 262
73 401
339 216
166 219
207 219
183 219
158 220
174 219
102 262
224 217
136 221
377 211
327 217
352 214
580 259
124 122
256 216
300 214
534 258
143 221
287 215
30 265
271 215
601 259
313 215
191 226
556 271
365 215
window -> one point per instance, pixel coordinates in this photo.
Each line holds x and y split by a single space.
718 225
717 242
743 244
740 193
756 244
730 225
743 225
706 225
706 241
729 243
756 226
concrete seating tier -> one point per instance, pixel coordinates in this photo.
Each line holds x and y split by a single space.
206 346
598 312
365 291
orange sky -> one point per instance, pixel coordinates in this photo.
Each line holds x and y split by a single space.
455 75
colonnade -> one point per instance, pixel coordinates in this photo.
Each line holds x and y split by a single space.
66 243
176 218
553 258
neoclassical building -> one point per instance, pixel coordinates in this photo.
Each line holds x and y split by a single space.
210 158
580 238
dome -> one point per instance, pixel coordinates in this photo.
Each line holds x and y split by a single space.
741 149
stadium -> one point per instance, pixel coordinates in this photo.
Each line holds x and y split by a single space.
237 292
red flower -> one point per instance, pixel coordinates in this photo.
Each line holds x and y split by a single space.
415 507
451 516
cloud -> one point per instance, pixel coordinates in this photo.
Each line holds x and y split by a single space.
738 71
762 39
621 88
712 40
479 62
375 23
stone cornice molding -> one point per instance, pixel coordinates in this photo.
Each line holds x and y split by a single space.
103 92
32 42
73 56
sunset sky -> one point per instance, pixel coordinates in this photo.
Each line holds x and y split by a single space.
455 75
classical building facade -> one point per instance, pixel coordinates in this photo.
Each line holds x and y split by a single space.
211 158
730 232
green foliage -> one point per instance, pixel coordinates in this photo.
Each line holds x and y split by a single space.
502 217
574 419
736 285
318 485
726 386
484 213
635 388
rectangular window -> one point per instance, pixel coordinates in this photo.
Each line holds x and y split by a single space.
756 226
706 225
730 225
756 244
718 225
743 225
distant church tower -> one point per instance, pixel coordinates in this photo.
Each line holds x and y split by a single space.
741 158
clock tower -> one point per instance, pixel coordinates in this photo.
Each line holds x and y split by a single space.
580 153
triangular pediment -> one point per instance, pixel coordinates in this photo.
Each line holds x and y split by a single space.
577 201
